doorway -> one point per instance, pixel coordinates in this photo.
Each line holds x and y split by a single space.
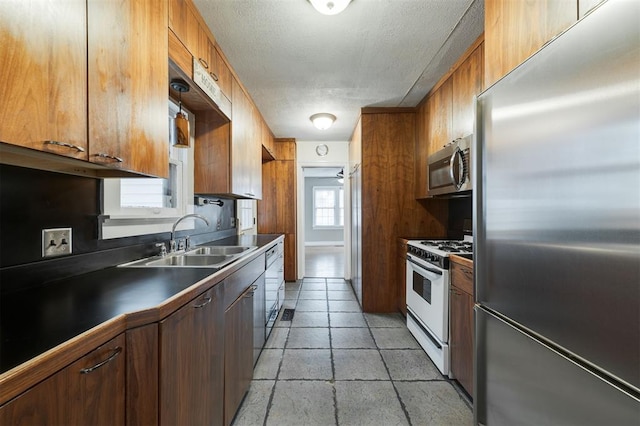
324 222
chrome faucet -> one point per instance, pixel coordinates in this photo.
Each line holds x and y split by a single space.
173 229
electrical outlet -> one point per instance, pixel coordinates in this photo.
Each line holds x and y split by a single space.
56 242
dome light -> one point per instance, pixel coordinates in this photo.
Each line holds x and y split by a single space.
322 120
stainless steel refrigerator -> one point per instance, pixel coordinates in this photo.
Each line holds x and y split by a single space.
557 217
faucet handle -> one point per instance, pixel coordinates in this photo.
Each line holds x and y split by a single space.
163 249
181 244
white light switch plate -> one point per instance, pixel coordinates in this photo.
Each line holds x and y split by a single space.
56 242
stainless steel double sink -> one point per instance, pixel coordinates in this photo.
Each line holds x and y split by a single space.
215 257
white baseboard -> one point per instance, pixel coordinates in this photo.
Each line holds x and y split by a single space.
323 243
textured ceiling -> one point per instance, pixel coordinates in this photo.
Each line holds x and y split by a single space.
296 62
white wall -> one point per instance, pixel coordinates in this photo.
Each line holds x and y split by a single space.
338 156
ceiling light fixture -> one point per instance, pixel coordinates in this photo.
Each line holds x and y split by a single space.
330 7
322 120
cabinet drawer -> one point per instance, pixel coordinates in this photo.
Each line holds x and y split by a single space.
238 282
462 277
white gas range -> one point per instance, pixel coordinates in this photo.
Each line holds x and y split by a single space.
428 283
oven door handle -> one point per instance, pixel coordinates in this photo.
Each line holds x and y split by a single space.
434 271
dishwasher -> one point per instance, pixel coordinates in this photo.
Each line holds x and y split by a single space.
274 284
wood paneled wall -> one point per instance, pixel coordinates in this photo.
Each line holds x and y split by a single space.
277 209
389 207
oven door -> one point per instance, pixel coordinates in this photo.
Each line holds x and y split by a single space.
428 297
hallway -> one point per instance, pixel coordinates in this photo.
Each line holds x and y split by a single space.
334 365
324 261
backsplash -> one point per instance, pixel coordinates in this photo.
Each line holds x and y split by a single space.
32 200
460 217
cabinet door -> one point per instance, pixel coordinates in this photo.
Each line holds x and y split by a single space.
241 144
467 83
128 72
238 352
440 111
45 404
223 74
91 391
44 75
184 23
514 30
97 384
462 338
192 362
206 54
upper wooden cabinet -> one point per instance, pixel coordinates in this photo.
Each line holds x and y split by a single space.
187 24
128 72
246 146
59 57
440 110
91 391
44 75
448 112
514 30
184 22
222 73
467 83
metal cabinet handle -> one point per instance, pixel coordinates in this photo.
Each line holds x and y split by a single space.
207 300
110 157
251 194
113 356
203 62
213 76
67 145
249 292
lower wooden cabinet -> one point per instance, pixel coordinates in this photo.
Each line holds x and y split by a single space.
461 327
91 391
238 352
192 362
193 367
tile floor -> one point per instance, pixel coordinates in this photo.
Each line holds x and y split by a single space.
334 365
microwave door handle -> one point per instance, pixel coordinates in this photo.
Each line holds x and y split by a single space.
451 165
456 158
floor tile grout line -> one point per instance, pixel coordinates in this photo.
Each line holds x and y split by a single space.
395 389
275 382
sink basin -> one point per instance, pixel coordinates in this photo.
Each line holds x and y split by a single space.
214 257
185 260
219 250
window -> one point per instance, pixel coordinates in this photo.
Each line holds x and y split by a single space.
138 206
246 216
328 207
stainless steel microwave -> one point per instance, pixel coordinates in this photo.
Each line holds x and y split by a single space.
449 169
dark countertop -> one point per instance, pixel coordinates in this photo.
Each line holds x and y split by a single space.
37 319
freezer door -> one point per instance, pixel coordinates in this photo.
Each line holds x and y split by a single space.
520 381
558 199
